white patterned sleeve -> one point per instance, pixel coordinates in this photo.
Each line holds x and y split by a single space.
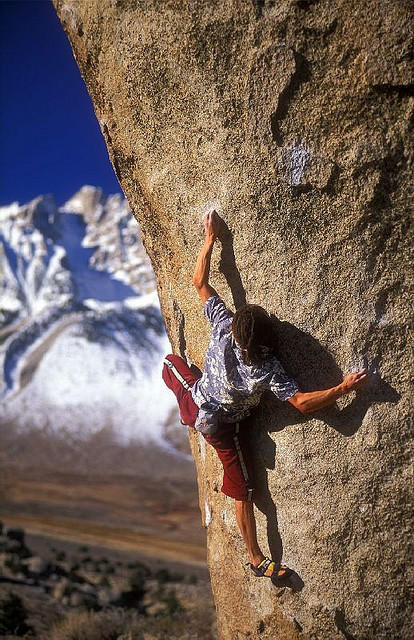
282 385
216 311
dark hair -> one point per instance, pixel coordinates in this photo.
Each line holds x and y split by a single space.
253 329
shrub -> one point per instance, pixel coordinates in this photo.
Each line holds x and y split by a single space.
12 562
75 577
13 615
16 534
114 624
177 577
109 569
90 625
172 602
139 565
136 580
162 575
104 582
96 566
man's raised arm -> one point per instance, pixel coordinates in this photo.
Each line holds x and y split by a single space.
201 275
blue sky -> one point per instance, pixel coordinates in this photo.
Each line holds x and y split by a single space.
50 139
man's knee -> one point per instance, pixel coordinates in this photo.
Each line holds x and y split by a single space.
243 504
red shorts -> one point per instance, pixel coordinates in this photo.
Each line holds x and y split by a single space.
231 442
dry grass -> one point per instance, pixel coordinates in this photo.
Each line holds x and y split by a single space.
88 625
116 624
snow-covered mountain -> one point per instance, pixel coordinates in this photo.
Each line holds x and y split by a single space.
81 333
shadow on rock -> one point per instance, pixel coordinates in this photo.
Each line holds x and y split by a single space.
228 267
264 502
314 368
348 420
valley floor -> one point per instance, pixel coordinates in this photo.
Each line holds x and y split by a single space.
96 530
150 517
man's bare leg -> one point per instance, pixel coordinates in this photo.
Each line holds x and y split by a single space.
247 525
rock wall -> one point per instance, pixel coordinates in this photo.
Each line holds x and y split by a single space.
291 118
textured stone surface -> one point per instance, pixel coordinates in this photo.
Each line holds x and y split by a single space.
292 119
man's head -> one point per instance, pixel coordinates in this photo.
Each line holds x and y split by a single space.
252 328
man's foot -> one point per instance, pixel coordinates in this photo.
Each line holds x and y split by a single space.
269 569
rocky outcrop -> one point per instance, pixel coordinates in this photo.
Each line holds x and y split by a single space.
291 118
68 583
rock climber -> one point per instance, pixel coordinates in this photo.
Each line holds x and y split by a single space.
240 364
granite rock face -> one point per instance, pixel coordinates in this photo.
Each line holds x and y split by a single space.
292 119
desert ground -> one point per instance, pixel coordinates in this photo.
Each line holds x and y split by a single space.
127 512
86 506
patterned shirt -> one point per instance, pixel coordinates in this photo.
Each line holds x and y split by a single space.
228 388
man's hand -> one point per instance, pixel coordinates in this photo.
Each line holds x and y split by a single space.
355 380
212 226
